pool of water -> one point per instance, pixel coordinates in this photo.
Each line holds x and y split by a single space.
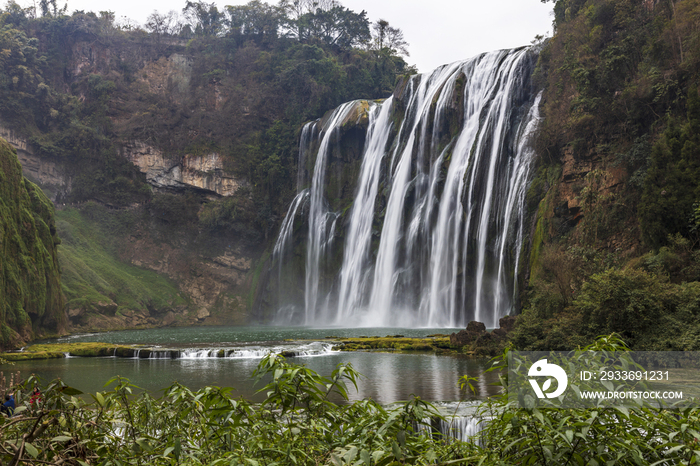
387 377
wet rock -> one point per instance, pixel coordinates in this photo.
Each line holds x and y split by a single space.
474 326
485 339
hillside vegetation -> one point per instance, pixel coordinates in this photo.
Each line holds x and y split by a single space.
615 246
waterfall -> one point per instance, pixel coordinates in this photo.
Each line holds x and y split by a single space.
353 275
320 235
430 231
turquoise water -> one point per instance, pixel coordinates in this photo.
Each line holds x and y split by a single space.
387 377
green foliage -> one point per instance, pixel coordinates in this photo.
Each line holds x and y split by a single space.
222 214
205 18
645 435
672 183
627 301
651 301
30 294
337 26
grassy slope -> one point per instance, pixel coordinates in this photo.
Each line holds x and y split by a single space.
93 274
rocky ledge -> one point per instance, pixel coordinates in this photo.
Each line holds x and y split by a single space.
476 339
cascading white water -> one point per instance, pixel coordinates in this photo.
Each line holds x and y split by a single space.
319 234
435 229
305 140
353 275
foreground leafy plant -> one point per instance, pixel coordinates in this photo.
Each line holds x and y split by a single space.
301 422
605 436
298 423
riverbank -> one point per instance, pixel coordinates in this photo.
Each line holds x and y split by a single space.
438 343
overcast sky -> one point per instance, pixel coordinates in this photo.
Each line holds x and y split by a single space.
438 31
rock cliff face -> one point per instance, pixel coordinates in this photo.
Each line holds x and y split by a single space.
163 172
212 284
31 301
48 174
212 280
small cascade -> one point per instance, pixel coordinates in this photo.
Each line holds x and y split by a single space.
259 352
199 353
165 354
286 312
433 233
459 421
462 428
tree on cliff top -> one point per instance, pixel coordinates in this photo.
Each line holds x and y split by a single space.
204 18
388 39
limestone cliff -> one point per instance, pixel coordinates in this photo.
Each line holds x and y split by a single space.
31 302
205 172
50 175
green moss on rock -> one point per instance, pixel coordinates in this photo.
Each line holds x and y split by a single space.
31 301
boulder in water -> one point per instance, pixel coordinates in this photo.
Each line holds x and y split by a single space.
466 337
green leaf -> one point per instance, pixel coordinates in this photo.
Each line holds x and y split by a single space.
61 438
70 391
364 456
538 415
178 448
376 455
569 435
143 443
31 449
396 450
401 437
625 412
349 457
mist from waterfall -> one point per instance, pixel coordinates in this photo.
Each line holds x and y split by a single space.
435 230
